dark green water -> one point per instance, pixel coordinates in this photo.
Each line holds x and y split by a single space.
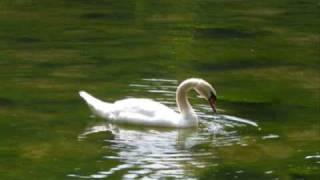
262 57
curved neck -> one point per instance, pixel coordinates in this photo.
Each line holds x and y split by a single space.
182 99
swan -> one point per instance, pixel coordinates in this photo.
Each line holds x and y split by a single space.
147 112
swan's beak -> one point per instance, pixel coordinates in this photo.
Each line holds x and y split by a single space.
212 102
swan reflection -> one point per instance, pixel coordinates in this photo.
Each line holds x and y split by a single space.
159 153
152 152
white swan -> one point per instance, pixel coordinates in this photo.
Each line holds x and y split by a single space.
151 113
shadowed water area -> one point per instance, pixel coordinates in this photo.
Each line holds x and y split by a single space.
261 57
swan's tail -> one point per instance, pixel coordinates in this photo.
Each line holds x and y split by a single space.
97 106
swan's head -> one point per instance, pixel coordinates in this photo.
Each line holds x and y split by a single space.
205 90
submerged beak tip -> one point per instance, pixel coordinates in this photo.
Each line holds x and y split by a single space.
214 109
212 102
213 106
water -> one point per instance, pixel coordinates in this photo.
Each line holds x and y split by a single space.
262 58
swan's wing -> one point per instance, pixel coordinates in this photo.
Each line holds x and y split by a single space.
133 111
144 112
146 107
135 118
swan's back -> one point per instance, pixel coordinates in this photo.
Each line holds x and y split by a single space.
146 107
144 112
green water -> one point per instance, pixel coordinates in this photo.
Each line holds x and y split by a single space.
262 58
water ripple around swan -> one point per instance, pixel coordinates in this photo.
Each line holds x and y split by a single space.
165 153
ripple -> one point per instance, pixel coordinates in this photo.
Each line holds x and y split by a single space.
313 157
270 136
160 80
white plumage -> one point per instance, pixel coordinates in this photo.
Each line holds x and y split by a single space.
140 111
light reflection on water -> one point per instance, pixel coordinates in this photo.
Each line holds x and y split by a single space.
159 153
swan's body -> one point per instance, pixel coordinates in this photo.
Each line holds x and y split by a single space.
151 113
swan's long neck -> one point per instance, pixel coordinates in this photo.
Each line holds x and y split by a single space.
182 100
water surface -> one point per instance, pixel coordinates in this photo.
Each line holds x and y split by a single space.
262 58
